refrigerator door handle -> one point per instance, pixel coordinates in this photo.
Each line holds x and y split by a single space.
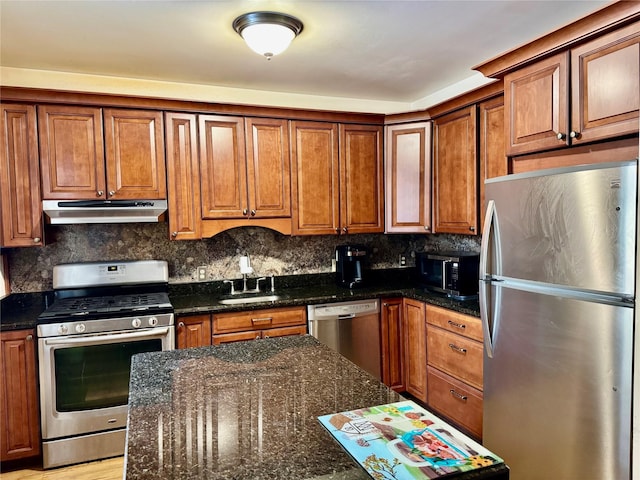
489 328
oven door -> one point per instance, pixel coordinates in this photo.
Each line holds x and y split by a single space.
84 379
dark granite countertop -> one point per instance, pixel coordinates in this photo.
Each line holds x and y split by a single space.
247 411
20 311
313 289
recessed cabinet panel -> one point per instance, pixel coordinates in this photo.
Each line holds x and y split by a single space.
455 173
361 184
315 185
222 166
71 152
135 158
408 178
268 167
605 84
21 215
182 176
19 417
536 104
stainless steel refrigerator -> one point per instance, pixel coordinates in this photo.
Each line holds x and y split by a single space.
557 304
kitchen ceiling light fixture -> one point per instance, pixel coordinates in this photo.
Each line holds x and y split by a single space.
267 33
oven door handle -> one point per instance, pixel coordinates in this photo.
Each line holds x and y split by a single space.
101 338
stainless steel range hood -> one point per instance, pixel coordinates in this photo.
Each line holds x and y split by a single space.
63 212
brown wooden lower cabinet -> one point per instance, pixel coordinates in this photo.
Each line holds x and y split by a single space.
435 355
391 344
206 329
414 348
455 400
193 331
265 323
19 410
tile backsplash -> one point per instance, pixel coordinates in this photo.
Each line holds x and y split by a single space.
271 253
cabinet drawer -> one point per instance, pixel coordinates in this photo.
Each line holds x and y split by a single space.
455 322
259 319
455 400
456 355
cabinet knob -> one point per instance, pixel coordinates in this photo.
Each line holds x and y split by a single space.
29 338
174 234
99 193
427 228
253 213
245 211
181 325
573 134
473 229
37 240
337 230
561 136
112 193
258 337
345 229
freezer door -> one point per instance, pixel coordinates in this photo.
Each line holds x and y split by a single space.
557 389
573 227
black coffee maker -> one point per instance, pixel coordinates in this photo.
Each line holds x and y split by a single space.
351 262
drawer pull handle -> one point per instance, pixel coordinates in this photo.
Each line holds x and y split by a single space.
458 395
453 346
457 325
261 321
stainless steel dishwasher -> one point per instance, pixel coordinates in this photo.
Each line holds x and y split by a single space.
350 328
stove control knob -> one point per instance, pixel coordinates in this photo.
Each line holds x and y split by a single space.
153 321
80 328
63 329
136 322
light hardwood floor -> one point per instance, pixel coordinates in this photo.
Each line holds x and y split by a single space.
110 469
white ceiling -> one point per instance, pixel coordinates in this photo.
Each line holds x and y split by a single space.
380 56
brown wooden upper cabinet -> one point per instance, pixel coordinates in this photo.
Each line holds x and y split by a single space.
584 95
80 160
244 167
20 202
183 175
493 160
408 178
337 183
455 173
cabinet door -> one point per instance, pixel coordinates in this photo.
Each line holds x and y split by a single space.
223 170
605 86
135 160
20 202
71 152
183 176
493 161
315 178
361 183
455 190
408 178
536 105
268 167
391 344
193 331
415 348
19 415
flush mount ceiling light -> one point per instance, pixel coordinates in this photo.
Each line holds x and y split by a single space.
267 33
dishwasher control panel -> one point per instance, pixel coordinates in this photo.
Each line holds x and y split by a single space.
357 308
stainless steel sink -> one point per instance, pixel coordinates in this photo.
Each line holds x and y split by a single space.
240 301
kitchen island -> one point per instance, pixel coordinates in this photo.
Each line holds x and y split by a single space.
248 411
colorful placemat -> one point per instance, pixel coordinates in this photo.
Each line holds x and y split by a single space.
403 441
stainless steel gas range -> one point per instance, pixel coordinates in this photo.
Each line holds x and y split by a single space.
103 313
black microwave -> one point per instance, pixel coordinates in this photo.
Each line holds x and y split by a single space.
455 274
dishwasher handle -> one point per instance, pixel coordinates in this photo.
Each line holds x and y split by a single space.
346 316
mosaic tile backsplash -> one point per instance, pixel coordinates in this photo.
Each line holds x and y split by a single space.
271 253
